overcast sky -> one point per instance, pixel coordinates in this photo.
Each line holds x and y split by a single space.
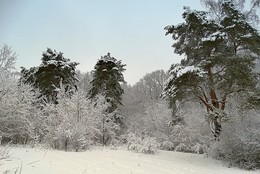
85 30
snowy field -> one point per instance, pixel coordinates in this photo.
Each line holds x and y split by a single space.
105 161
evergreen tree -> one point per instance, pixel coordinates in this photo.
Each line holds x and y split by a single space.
54 71
106 90
220 57
107 79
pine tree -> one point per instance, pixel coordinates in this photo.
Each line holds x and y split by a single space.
219 60
107 79
106 90
50 74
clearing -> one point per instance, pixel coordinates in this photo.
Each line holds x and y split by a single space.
106 161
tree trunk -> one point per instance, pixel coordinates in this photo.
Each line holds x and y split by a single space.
213 95
103 131
66 145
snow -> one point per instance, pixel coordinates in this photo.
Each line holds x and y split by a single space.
52 62
247 35
115 68
214 36
106 161
180 70
231 26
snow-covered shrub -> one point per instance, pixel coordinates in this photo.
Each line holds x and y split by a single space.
72 123
239 152
19 113
167 145
142 143
134 142
240 144
185 139
20 117
200 148
146 115
107 130
182 148
77 123
80 139
73 138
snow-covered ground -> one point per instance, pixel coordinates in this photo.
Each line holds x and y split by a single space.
105 161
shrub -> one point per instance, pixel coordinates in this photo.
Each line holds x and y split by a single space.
167 145
182 148
240 151
186 139
200 148
142 143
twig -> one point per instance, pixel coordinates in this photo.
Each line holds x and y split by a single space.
33 162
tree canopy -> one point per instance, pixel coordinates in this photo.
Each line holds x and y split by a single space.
54 71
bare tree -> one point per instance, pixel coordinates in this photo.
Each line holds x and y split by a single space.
216 11
7 59
151 85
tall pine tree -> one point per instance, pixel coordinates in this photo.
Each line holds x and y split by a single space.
107 79
106 90
220 56
54 71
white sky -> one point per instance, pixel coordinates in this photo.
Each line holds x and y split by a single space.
85 30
